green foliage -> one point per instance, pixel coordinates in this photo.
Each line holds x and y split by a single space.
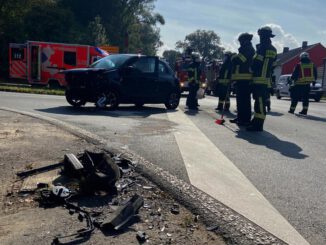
207 43
96 33
171 56
93 22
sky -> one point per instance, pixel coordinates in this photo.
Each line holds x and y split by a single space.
292 21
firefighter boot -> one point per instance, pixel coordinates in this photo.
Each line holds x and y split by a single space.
303 112
291 111
255 126
235 120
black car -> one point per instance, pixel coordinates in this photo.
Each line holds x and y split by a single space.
124 78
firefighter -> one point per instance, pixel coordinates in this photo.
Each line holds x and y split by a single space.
268 97
194 81
304 73
242 75
224 81
262 67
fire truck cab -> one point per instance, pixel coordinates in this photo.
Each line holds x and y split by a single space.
181 73
41 62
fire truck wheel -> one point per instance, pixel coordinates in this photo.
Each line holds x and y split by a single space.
73 100
112 100
173 101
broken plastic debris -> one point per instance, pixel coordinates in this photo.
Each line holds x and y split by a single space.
141 236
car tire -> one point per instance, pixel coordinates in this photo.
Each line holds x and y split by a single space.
73 99
172 101
317 99
112 100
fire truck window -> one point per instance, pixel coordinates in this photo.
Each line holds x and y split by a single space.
69 58
17 54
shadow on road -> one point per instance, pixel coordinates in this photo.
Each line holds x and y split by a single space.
314 118
269 140
274 114
126 111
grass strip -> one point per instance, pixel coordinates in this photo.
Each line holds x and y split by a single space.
31 90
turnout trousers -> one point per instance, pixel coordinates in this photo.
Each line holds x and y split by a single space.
300 92
223 97
243 101
260 94
192 101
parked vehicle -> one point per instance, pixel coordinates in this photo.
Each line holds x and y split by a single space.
124 78
283 85
41 62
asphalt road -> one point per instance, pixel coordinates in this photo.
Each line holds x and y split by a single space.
286 163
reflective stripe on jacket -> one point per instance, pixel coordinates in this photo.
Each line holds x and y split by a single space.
306 75
241 63
263 64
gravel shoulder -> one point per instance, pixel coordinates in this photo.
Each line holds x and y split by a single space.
26 143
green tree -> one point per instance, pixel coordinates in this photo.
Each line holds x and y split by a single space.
171 56
96 32
207 43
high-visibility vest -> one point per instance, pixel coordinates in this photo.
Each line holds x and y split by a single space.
241 72
268 62
306 74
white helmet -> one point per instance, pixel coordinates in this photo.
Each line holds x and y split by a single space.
304 55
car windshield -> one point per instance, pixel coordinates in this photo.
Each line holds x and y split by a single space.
111 61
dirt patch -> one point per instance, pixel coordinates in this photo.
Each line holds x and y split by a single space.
27 143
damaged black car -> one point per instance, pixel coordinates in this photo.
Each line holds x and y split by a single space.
123 79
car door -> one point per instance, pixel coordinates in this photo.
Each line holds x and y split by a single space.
165 81
140 82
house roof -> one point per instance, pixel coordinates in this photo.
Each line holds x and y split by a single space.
283 58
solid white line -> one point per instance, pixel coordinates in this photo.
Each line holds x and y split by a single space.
212 172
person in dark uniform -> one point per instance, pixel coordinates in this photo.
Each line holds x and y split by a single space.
194 73
223 84
242 75
262 68
304 73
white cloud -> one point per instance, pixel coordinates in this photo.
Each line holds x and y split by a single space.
322 33
281 39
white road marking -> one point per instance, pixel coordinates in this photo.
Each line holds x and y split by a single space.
212 172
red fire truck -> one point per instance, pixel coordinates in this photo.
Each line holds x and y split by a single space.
182 74
41 62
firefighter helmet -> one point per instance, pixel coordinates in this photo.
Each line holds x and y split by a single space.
304 55
245 37
266 31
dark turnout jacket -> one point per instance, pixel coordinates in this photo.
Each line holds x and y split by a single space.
241 63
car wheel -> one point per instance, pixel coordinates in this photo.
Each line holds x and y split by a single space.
317 99
173 101
73 99
278 96
112 100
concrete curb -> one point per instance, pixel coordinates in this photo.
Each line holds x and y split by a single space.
235 228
